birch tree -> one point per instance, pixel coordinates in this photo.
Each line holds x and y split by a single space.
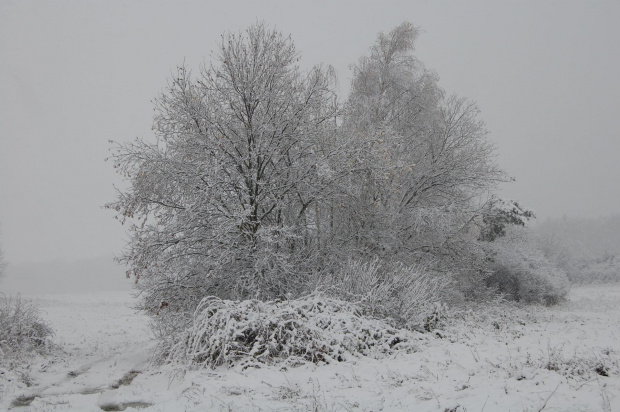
423 158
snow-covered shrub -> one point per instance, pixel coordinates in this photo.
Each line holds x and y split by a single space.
605 269
588 269
315 329
437 318
522 272
406 295
22 331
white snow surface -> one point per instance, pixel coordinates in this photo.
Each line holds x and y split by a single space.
498 358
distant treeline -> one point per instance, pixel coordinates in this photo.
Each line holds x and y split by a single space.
587 248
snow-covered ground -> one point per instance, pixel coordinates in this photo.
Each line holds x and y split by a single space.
502 358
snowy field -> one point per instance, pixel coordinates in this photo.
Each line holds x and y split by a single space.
503 358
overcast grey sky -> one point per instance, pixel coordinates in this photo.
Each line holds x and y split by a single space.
546 75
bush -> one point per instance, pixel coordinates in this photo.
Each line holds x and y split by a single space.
605 269
314 329
22 331
404 295
521 272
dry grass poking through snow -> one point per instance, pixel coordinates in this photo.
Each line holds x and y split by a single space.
501 357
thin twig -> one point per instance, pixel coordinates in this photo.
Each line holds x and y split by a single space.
545 404
485 404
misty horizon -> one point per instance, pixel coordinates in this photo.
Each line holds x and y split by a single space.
543 75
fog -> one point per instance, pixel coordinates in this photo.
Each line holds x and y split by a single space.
62 277
75 74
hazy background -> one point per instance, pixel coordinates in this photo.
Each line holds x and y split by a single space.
546 75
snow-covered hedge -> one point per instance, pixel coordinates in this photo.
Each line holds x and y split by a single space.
315 329
521 271
22 331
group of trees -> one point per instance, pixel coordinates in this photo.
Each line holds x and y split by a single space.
586 249
261 183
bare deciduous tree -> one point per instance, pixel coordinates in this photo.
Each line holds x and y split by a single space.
222 196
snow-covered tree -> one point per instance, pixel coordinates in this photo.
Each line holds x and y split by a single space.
258 186
422 160
223 197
